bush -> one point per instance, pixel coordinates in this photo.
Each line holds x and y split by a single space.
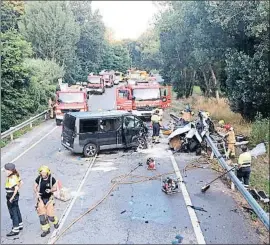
260 131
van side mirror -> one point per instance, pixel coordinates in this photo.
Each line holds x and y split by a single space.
58 100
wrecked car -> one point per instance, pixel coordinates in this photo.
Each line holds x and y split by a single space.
90 132
188 137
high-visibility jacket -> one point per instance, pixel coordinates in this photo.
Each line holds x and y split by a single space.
11 182
244 159
231 137
155 118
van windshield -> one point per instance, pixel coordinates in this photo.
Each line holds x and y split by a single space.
71 97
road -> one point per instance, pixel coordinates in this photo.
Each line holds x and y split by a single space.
137 213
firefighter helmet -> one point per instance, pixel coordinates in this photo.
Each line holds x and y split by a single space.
44 168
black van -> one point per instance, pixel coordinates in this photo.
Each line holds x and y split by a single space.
90 132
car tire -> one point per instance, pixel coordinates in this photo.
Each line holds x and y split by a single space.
90 150
58 122
142 143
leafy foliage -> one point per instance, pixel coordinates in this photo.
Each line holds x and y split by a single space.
220 46
50 27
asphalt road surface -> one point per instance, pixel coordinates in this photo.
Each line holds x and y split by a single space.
138 213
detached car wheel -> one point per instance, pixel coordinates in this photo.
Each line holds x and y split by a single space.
90 150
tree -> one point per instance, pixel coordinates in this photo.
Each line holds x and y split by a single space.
90 47
51 28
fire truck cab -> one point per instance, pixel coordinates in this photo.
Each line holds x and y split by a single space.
95 84
69 100
108 80
142 99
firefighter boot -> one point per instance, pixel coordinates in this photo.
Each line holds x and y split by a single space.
45 233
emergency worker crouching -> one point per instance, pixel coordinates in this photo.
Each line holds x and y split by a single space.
244 164
156 124
44 187
231 140
13 183
187 114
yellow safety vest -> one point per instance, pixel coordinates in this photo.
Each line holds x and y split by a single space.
244 159
11 182
155 119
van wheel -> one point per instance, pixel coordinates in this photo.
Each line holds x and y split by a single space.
58 122
142 143
90 150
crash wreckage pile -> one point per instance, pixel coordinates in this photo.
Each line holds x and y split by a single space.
189 136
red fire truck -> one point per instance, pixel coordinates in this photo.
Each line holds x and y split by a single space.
68 100
142 99
95 84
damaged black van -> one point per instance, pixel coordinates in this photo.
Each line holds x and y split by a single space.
90 132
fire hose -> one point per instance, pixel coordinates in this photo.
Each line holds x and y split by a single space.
117 181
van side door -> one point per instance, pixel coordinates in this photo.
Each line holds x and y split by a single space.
108 130
131 129
88 132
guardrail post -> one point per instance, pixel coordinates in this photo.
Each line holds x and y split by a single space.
11 136
31 125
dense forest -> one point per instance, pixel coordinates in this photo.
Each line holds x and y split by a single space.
223 47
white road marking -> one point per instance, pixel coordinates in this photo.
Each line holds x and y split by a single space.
192 214
70 205
32 146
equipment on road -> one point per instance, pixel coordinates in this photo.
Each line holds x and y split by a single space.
206 187
151 164
170 186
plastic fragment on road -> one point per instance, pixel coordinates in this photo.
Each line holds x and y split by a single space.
197 208
123 211
260 149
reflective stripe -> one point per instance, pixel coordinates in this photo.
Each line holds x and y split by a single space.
15 229
45 227
55 220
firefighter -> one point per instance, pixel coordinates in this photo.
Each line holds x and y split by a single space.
230 135
51 107
156 121
45 185
187 114
244 163
13 183
220 127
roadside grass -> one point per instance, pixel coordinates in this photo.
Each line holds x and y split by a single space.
19 133
257 132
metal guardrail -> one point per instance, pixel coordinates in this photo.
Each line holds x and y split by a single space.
30 121
249 198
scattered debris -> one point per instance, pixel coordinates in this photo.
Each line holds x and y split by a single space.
197 208
146 222
234 210
123 211
112 195
250 210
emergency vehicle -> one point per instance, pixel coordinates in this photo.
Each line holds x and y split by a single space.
108 79
142 99
69 100
95 84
